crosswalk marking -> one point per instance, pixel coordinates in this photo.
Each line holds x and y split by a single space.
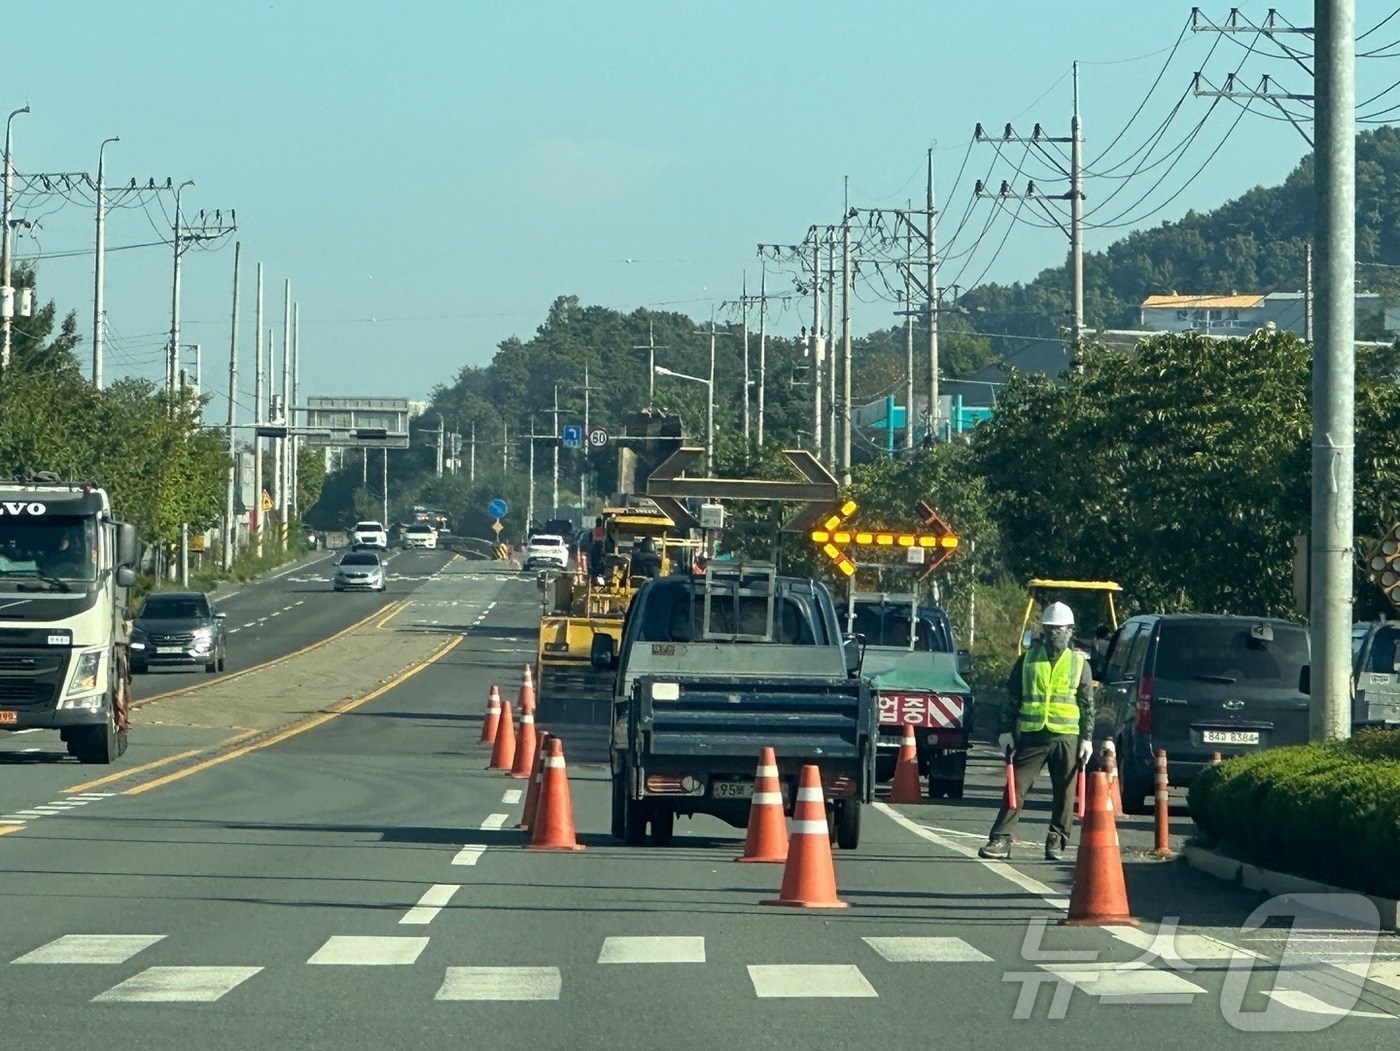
1170 945
1114 983
511 797
500 983
369 951
168 985
469 854
431 903
493 822
809 980
655 949
926 950
90 948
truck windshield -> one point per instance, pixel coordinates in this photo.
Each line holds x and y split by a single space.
55 546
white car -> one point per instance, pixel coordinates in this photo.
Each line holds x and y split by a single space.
546 549
369 534
420 535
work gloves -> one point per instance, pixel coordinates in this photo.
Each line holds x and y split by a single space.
1086 749
1005 741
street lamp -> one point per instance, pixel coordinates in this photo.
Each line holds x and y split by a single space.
661 370
7 292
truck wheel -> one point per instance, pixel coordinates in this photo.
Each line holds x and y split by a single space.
663 826
98 744
846 814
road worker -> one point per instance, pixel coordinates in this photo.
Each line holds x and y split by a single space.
1048 719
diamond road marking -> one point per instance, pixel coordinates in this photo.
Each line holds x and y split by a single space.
926 950
1126 983
500 983
369 951
91 948
809 980
659 949
177 985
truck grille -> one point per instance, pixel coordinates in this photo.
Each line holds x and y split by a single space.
17 693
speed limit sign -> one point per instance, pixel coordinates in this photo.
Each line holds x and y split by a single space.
598 438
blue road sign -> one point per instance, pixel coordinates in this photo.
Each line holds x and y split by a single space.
497 508
573 436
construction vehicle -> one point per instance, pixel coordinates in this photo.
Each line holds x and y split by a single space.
915 672
66 569
591 600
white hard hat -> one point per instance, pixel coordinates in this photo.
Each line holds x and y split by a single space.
1057 615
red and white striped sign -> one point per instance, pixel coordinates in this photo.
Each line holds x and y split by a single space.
922 709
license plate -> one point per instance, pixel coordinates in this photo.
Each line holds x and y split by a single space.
731 789
169 649
8 717
1230 736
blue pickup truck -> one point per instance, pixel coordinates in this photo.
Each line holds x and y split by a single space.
712 668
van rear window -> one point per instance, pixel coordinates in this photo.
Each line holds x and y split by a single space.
1190 650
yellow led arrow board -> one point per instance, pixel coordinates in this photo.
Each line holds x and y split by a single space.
833 534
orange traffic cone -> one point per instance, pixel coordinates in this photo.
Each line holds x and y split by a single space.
1099 897
809 879
553 825
1115 792
767 839
524 740
527 691
503 749
906 788
493 717
532 794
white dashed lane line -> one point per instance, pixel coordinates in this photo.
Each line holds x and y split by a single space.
431 903
469 854
493 822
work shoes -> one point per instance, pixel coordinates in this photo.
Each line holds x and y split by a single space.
997 847
1054 847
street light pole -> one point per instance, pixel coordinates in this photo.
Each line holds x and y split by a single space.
98 317
172 366
8 292
661 370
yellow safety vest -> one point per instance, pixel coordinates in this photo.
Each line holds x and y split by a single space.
1048 691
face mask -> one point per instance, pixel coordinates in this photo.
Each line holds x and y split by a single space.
1057 640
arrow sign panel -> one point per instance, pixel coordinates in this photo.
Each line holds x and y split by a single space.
933 548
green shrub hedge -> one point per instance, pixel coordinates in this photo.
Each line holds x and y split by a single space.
1329 812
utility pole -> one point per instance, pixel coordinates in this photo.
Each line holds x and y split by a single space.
260 415
98 281
471 475
505 448
744 315
554 488
651 347
817 347
1307 294
172 362
441 430
7 292
230 521
284 478
1334 377
908 335
762 345
846 348
530 500
931 264
587 389
1075 196
831 329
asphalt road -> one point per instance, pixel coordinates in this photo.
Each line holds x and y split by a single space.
355 882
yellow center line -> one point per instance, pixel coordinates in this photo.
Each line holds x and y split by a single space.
228 742
301 728
392 614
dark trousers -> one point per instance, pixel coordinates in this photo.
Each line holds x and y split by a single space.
1033 751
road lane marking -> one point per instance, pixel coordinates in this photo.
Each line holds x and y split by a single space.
120 774
369 951
5 830
91 948
167 985
493 822
500 983
512 796
926 950
1120 983
300 728
394 611
469 854
431 903
809 980
656 949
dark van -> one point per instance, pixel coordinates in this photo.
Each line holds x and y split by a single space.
1193 684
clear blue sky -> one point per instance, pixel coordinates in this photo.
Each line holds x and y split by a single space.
431 175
